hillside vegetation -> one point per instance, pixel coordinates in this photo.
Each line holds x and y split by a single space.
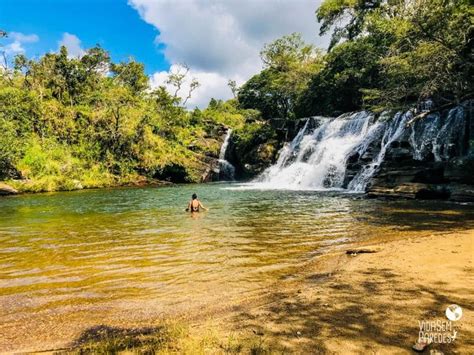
68 122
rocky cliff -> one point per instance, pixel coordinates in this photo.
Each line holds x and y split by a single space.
426 155
432 159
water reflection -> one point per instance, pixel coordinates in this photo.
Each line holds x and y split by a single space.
106 248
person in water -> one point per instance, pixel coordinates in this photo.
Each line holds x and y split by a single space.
195 205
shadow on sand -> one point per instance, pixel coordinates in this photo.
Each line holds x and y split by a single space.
378 315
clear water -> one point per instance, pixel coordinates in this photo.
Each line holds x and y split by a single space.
72 257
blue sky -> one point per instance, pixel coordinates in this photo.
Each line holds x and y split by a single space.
218 39
113 24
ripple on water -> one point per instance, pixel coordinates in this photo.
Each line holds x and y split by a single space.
101 249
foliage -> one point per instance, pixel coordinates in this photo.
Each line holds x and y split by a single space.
350 67
69 123
395 54
345 17
289 63
431 55
383 55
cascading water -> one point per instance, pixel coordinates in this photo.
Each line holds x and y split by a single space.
347 152
392 131
437 137
317 160
226 169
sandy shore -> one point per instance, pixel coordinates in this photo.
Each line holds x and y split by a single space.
369 303
362 304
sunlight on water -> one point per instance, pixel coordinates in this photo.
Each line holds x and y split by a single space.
136 249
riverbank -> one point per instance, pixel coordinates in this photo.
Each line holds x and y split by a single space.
337 303
15 187
370 303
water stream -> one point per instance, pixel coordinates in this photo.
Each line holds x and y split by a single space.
226 169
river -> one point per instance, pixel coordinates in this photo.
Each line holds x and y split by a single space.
82 257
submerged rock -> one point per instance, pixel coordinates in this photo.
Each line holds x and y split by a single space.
410 190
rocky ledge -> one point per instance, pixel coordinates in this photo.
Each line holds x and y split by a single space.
7 190
433 160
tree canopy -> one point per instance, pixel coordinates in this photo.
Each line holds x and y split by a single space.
89 121
383 55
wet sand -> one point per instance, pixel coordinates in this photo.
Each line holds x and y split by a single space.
337 303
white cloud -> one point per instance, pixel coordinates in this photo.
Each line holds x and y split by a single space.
212 84
221 39
23 38
18 39
73 45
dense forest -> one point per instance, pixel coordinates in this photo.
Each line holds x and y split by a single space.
68 123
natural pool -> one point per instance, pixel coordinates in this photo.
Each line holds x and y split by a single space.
88 256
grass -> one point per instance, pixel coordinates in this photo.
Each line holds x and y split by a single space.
168 338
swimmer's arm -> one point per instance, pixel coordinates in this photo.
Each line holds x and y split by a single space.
204 208
189 207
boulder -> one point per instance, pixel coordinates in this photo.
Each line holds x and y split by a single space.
7 190
460 170
461 193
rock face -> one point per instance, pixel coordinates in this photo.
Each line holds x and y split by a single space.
252 154
7 190
434 159
399 155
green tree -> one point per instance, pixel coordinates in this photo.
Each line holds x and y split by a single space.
431 55
289 64
346 18
131 74
350 68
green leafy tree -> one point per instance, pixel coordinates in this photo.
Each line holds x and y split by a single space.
346 18
289 64
131 74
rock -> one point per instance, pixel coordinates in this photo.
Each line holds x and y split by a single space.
360 251
211 172
399 154
460 170
410 191
77 185
461 193
7 190
420 346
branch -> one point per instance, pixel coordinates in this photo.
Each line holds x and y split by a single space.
440 108
194 85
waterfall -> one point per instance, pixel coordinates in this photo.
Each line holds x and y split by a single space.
317 160
448 141
437 138
226 169
392 131
346 152
423 137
